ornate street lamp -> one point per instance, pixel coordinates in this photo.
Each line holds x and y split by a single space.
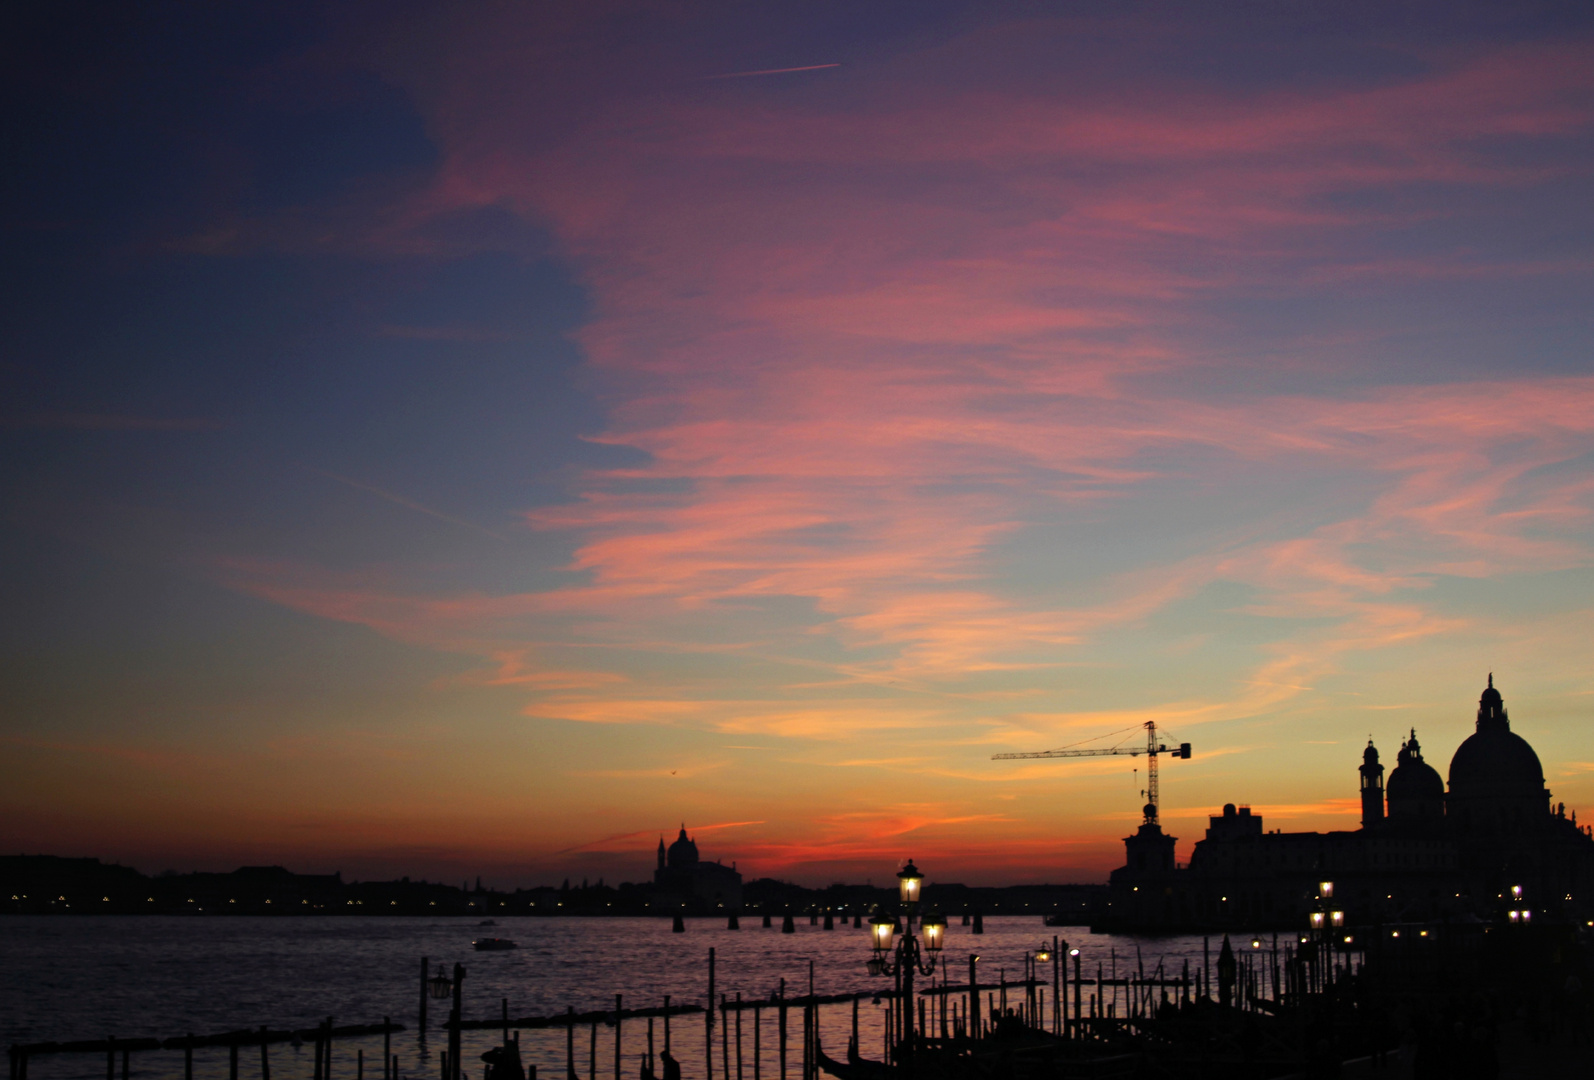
909 956
440 986
1044 953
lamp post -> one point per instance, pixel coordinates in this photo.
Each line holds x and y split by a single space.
1078 986
1325 920
1043 955
907 956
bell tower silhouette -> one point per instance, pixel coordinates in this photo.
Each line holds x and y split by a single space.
1372 786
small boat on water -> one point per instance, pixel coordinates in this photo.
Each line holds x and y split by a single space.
487 922
493 944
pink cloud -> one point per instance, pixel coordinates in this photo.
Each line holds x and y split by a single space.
866 346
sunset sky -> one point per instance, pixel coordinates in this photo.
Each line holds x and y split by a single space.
454 439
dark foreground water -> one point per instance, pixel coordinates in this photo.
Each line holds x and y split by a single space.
85 978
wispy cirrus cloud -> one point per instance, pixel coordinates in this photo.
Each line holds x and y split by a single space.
856 397
937 388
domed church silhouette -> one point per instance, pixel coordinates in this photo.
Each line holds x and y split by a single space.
1494 840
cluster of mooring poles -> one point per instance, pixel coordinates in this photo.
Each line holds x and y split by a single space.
321 1037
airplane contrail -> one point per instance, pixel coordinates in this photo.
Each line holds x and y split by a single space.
409 504
770 71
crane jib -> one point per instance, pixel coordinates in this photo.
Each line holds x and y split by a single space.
1152 749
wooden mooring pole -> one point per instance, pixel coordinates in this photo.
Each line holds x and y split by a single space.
808 1036
265 1059
425 989
725 1038
456 1015
781 1028
617 1002
974 997
708 1022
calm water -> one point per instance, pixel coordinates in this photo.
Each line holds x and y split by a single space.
68 978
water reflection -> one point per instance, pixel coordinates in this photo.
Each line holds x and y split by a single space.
67 978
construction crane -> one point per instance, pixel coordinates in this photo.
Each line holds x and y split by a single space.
1153 749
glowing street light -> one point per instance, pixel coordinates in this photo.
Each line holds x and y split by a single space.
909 881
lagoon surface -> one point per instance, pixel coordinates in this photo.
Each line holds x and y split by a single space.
67 978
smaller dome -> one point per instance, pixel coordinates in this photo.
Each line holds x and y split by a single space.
1370 755
1413 777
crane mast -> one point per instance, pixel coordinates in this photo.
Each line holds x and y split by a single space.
1153 749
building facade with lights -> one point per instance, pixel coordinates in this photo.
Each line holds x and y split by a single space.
1491 845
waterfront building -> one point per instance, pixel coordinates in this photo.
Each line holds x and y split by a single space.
685 881
1492 844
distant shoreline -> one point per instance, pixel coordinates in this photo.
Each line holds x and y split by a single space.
52 885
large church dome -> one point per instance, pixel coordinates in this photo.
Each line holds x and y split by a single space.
1496 781
683 852
1494 760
